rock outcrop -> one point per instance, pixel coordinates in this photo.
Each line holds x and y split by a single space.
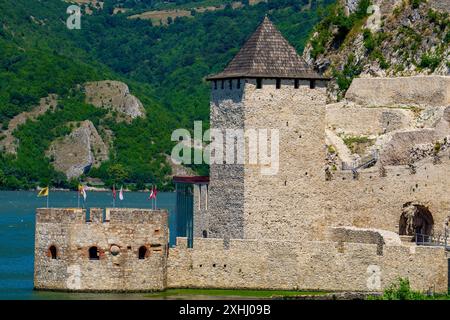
399 38
76 153
9 143
397 151
114 96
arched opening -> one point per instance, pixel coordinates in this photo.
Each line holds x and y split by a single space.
416 219
93 253
142 252
53 252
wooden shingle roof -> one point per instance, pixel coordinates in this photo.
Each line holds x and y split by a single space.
267 54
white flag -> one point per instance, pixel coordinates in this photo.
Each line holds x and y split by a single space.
82 191
121 193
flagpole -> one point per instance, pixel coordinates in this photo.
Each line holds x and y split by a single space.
48 195
78 198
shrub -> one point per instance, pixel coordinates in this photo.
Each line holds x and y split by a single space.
429 61
401 291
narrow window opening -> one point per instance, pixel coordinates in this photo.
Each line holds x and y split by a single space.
230 84
53 253
312 84
223 84
296 83
278 85
142 252
239 83
205 234
259 83
215 84
93 253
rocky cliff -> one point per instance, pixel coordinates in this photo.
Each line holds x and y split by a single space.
114 96
380 38
82 149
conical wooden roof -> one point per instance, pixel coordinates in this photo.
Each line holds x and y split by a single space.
267 54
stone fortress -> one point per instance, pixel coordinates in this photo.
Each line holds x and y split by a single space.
360 198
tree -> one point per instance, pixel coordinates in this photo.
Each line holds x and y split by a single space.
117 173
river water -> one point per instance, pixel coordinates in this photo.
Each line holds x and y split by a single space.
17 218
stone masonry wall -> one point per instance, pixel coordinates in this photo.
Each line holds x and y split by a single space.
419 90
260 264
284 205
118 238
376 201
226 188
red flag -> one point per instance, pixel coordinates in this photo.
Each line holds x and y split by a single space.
114 192
151 194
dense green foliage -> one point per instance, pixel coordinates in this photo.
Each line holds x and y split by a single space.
164 67
334 17
402 291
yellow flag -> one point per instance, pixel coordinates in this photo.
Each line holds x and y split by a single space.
43 192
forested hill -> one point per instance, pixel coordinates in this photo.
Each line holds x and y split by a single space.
163 64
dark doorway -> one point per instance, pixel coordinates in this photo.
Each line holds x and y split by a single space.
142 252
416 219
93 253
53 253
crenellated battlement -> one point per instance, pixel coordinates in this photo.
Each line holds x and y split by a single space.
99 215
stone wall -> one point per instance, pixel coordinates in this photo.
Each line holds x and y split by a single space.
374 200
358 120
118 235
283 206
326 265
418 90
226 188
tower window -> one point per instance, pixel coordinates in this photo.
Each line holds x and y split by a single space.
215 84
205 234
239 83
52 252
296 83
142 252
93 253
259 83
230 84
278 85
312 84
223 84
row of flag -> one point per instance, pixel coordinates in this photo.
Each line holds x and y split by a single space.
44 192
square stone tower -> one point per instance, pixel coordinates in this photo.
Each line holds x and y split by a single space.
268 86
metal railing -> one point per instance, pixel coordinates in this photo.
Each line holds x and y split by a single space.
440 240
362 163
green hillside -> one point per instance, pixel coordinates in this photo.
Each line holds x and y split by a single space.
164 66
